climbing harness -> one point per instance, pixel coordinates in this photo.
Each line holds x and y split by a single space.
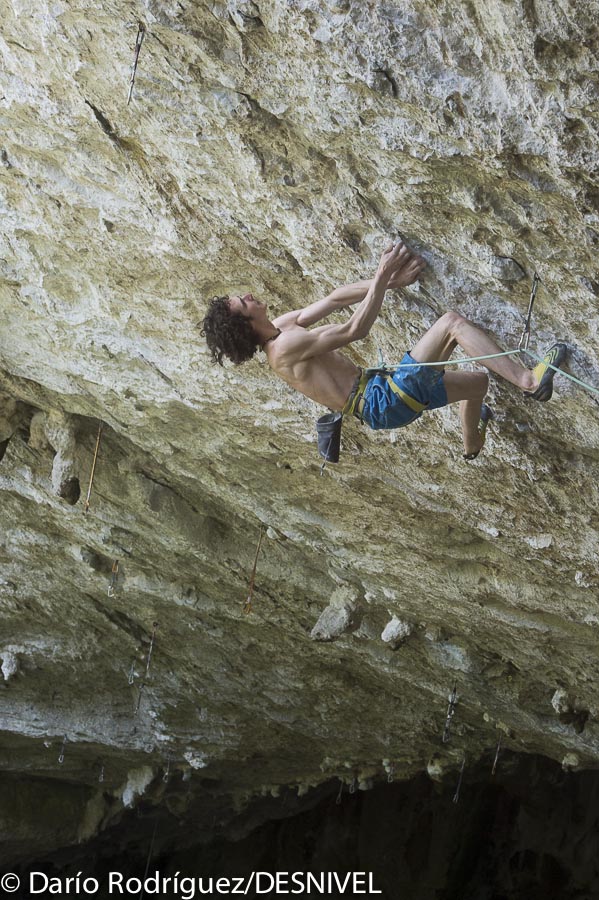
355 403
450 712
247 606
91 477
328 427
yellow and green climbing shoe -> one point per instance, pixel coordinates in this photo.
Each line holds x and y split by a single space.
545 375
486 414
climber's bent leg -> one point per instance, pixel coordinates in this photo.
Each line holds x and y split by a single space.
453 330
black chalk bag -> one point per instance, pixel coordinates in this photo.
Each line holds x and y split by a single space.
329 436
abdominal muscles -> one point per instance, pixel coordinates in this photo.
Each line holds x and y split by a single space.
326 379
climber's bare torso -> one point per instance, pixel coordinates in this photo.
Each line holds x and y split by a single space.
327 378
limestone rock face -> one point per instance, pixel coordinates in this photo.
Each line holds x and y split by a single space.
275 147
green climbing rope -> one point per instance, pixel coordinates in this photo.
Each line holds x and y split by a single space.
451 362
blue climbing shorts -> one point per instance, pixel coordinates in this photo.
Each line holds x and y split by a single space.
385 409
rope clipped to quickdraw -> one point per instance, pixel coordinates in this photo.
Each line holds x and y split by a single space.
450 712
91 477
525 336
147 672
141 31
247 606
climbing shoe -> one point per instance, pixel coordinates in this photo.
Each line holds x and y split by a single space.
486 414
554 357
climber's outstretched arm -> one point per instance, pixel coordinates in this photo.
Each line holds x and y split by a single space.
296 344
337 299
349 294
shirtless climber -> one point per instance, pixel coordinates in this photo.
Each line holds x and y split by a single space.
311 363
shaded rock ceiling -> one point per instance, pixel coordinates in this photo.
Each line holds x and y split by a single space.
274 147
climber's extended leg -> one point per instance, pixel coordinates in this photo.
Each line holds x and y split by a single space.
453 330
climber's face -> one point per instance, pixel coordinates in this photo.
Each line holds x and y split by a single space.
248 306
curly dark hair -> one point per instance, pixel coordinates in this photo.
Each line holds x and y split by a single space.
228 334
